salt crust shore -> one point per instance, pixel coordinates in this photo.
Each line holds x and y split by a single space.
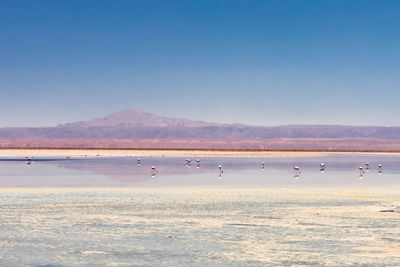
82 153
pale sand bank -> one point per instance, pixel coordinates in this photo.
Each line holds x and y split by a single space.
81 153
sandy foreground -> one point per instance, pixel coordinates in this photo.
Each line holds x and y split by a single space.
81 153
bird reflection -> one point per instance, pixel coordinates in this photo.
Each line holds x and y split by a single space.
322 167
138 162
221 171
154 171
380 169
188 163
296 172
197 163
362 171
367 166
28 161
263 166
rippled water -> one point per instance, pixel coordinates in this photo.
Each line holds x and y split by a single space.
98 212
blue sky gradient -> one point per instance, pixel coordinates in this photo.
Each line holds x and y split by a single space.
253 62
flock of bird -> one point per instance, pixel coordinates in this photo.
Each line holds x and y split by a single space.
363 170
296 169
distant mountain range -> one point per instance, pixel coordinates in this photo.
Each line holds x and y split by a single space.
136 124
133 124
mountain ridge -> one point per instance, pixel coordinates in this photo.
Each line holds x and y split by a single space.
135 117
137 124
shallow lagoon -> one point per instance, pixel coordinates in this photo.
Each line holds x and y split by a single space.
110 211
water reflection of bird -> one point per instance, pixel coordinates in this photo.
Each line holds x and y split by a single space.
296 172
197 163
221 171
322 167
188 163
263 165
361 169
367 166
154 171
380 169
138 162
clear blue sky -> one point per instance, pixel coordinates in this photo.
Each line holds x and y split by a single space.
254 62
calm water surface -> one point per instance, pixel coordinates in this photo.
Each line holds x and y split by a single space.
96 212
